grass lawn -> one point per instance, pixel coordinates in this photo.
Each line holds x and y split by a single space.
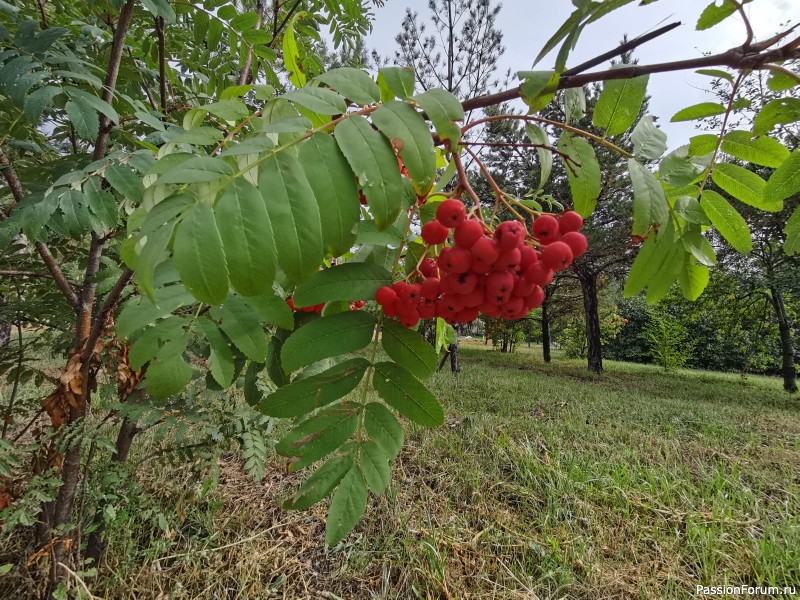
545 482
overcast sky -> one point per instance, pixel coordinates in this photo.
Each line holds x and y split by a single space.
528 24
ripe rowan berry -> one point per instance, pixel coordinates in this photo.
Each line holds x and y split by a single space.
539 273
557 256
509 234
576 242
433 233
451 212
467 233
569 221
545 228
385 295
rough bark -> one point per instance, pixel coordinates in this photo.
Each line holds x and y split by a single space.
594 352
788 369
545 334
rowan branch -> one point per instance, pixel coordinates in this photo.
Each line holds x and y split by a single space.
110 85
100 319
162 63
735 58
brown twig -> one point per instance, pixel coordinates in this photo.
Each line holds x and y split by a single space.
735 58
110 85
162 63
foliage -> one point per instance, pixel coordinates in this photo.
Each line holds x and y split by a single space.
175 221
667 340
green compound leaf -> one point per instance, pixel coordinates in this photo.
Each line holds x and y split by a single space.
650 206
743 185
761 150
785 181
583 173
619 104
243 326
353 84
294 216
649 142
374 163
221 359
335 190
247 238
409 135
442 108
403 392
319 435
326 337
408 348
321 483
350 281
305 395
384 428
374 466
727 220
199 257
347 506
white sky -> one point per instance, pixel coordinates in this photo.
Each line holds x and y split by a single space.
528 24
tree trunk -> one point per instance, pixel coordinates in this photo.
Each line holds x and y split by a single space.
453 349
594 352
545 333
788 369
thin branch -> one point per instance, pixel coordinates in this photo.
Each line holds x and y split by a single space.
620 50
464 183
162 63
748 27
110 85
244 73
735 58
108 305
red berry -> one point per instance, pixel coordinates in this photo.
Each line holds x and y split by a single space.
463 283
409 320
485 252
535 298
508 260
509 234
569 221
545 228
512 307
385 295
475 298
468 233
410 295
528 256
455 260
467 315
451 212
576 242
427 309
523 288
433 233
452 303
557 256
428 268
539 273
430 288
499 283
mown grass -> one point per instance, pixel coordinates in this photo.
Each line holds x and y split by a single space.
546 482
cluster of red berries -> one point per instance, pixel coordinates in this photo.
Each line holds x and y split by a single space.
498 276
